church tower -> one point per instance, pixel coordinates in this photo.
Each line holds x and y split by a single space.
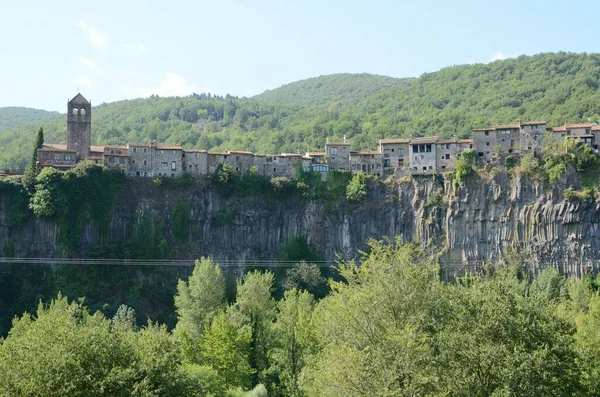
79 126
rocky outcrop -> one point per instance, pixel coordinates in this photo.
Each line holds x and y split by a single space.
482 221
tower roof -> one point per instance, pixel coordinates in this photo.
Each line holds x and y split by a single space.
79 100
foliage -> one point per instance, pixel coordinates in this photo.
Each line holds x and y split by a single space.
356 191
464 166
197 301
569 153
434 201
308 277
181 220
31 170
588 193
11 117
298 249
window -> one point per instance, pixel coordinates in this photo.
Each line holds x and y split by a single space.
480 154
44 156
424 168
443 167
111 159
430 167
68 157
145 150
415 149
274 169
174 152
135 151
392 150
512 142
401 152
173 165
422 148
487 133
121 160
386 151
75 112
447 156
164 164
487 144
428 148
386 162
162 151
196 155
568 132
57 157
332 150
82 112
447 146
401 163
145 162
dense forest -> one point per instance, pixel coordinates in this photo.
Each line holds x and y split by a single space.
555 87
388 327
12 117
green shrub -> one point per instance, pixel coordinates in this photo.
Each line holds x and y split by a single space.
464 166
434 201
356 191
588 193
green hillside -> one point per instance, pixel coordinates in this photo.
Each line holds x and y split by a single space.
558 88
12 117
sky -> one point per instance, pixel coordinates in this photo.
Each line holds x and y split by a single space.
111 50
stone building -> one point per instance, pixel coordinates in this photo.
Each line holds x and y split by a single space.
116 158
368 162
508 137
338 156
423 154
484 141
240 161
195 162
394 155
79 126
533 135
56 155
167 160
141 159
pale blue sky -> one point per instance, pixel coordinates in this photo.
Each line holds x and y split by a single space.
117 49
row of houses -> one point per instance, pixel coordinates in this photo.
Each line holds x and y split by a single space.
393 157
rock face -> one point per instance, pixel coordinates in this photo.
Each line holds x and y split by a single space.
482 221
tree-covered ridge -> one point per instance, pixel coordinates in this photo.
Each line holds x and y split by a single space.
344 88
12 116
555 87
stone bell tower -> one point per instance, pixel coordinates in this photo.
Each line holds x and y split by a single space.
79 126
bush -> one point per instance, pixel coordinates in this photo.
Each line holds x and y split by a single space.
464 166
356 191
588 193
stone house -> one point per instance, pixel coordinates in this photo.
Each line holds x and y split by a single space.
532 136
195 162
141 159
368 162
395 155
447 151
338 156
508 137
423 154
167 160
116 158
240 161
284 164
57 156
484 141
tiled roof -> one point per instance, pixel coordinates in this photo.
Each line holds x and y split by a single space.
337 144
422 140
484 129
506 126
447 141
532 122
573 126
57 146
393 140
316 153
169 147
240 152
96 148
596 128
465 140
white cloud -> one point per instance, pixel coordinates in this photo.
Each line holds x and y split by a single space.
500 56
93 66
135 47
172 85
82 81
96 38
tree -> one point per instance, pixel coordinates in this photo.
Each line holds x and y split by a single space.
306 276
255 308
226 347
48 199
356 191
296 342
197 301
31 171
588 346
373 329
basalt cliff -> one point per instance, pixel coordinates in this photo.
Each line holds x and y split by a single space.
480 222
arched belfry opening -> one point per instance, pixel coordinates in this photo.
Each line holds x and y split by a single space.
79 126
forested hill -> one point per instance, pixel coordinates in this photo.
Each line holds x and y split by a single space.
558 88
12 116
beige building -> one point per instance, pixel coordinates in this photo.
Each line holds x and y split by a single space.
368 162
56 155
141 159
508 138
395 155
423 154
338 156
167 160
240 161
484 141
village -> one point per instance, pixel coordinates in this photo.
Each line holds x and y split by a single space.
395 156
